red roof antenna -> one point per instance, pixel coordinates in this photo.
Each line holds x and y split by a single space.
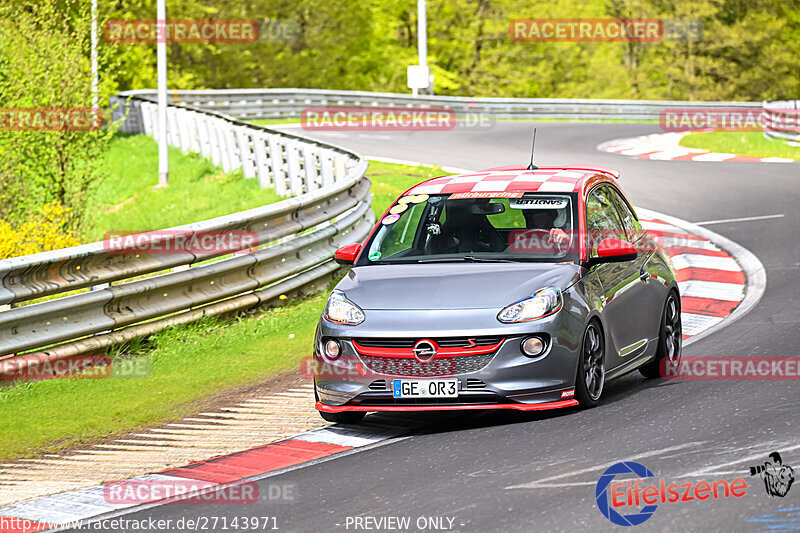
533 148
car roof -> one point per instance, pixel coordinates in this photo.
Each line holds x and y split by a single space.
518 179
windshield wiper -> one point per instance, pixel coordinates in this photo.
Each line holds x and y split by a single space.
474 259
466 258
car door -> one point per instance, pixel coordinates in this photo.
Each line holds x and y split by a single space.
653 294
622 301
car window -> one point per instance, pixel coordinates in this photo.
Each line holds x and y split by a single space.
398 237
602 219
526 227
629 220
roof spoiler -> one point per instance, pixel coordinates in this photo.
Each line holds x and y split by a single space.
589 168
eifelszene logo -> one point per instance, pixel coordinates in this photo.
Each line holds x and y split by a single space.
615 494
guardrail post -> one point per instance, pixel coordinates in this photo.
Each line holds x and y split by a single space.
232 142
173 135
184 129
245 152
295 177
150 112
262 163
215 140
310 166
194 128
326 166
276 156
339 167
203 136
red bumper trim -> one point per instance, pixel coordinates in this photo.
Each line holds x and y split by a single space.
516 406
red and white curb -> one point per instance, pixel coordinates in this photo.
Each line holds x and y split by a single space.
666 147
67 509
720 281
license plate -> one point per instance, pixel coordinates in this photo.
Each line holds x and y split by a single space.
434 388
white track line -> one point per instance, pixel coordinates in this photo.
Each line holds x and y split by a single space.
742 219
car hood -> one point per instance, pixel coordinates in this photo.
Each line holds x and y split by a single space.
452 285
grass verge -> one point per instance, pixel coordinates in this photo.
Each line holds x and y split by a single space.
742 143
125 199
187 364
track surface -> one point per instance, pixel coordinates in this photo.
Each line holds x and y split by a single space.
523 472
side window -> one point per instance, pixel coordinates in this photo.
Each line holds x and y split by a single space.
397 237
602 219
629 220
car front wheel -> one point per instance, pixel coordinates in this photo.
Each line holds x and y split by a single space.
591 367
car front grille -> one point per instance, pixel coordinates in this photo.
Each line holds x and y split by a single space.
378 384
439 366
474 384
444 342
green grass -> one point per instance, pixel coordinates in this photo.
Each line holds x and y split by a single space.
743 143
125 199
273 121
389 180
188 364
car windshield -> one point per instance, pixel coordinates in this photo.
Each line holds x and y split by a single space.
475 227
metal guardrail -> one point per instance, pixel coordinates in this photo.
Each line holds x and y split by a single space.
331 208
282 103
781 119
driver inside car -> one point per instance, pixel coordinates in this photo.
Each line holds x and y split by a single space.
550 221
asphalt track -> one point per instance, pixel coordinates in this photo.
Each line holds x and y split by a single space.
537 472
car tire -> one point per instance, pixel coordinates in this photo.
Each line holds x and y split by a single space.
351 417
591 374
670 338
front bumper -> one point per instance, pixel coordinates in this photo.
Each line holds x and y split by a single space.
394 408
504 379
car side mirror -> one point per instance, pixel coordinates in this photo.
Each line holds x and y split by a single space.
346 255
612 251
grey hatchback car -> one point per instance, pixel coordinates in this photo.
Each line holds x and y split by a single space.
510 288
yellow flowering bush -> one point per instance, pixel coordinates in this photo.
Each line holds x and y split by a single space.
47 231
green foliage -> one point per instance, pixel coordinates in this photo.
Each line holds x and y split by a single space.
749 49
44 63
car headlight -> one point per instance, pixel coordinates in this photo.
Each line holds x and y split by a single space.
342 311
542 303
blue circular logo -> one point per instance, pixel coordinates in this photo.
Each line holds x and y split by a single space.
603 503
